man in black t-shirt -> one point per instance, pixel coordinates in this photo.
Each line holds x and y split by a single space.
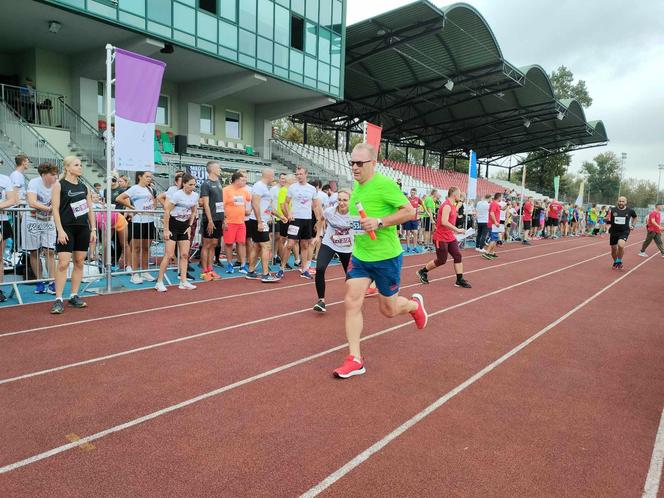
213 218
621 220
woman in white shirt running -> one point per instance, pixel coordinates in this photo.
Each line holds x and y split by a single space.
180 210
140 199
338 239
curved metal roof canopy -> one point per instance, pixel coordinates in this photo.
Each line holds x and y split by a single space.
438 77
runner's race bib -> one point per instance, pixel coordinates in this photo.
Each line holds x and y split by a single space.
342 240
181 213
219 206
80 208
619 220
238 200
356 227
293 230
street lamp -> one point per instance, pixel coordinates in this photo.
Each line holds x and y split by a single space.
659 179
623 158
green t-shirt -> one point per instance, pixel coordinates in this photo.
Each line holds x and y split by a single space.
380 197
281 198
429 205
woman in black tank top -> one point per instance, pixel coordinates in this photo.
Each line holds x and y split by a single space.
75 225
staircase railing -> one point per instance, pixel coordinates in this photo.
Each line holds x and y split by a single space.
83 134
314 165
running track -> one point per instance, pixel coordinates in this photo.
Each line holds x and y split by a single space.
545 379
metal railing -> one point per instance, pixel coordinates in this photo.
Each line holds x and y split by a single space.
34 106
83 134
316 162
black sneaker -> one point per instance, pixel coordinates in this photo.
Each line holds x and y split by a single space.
320 306
252 275
77 302
58 307
526 243
423 275
463 283
3 298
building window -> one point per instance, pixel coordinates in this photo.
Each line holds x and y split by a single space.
101 99
297 33
229 10
163 111
207 119
209 5
233 124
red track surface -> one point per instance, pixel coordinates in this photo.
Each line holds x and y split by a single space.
572 414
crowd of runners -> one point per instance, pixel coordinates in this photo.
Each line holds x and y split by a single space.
308 224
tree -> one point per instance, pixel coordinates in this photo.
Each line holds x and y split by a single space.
540 171
639 193
562 80
602 177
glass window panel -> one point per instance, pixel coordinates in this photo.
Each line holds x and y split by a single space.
245 59
102 9
266 18
264 66
337 14
310 67
297 33
336 50
285 3
207 119
297 6
209 5
229 9
281 72
206 45
133 6
184 18
311 39
280 55
334 90
324 87
227 53
296 77
248 14
323 72
184 37
324 45
132 20
325 13
264 49
207 27
281 25
310 82
335 76
162 110
191 3
233 124
312 10
159 11
228 35
296 61
159 29
247 43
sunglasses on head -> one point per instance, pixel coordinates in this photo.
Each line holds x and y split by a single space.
359 163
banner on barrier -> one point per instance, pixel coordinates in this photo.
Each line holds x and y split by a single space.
137 87
556 186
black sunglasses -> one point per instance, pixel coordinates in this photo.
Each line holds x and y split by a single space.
359 163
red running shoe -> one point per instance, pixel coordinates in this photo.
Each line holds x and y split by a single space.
350 368
420 314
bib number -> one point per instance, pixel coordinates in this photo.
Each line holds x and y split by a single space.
219 207
356 227
238 200
342 240
293 230
80 208
619 220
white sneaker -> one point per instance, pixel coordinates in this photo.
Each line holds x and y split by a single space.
186 286
643 254
136 279
160 287
148 278
129 269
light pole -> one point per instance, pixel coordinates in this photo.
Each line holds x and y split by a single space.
659 179
623 158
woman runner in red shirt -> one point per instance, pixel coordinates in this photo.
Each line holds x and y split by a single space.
444 239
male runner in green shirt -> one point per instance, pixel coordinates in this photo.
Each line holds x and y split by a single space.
376 260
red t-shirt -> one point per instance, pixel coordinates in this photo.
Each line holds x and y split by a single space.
494 208
528 211
654 216
554 210
443 233
415 202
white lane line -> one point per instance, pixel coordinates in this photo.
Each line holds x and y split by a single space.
651 487
245 324
230 296
376 447
191 401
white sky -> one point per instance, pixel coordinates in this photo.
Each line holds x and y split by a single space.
617 47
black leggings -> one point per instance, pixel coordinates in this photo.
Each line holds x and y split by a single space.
325 255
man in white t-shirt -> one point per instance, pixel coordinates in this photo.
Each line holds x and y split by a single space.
305 201
482 211
258 227
38 226
18 176
331 197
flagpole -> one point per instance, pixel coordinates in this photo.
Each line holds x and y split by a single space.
109 162
523 192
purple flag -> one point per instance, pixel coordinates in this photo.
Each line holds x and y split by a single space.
137 85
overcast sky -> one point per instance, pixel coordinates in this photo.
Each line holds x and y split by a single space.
617 47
